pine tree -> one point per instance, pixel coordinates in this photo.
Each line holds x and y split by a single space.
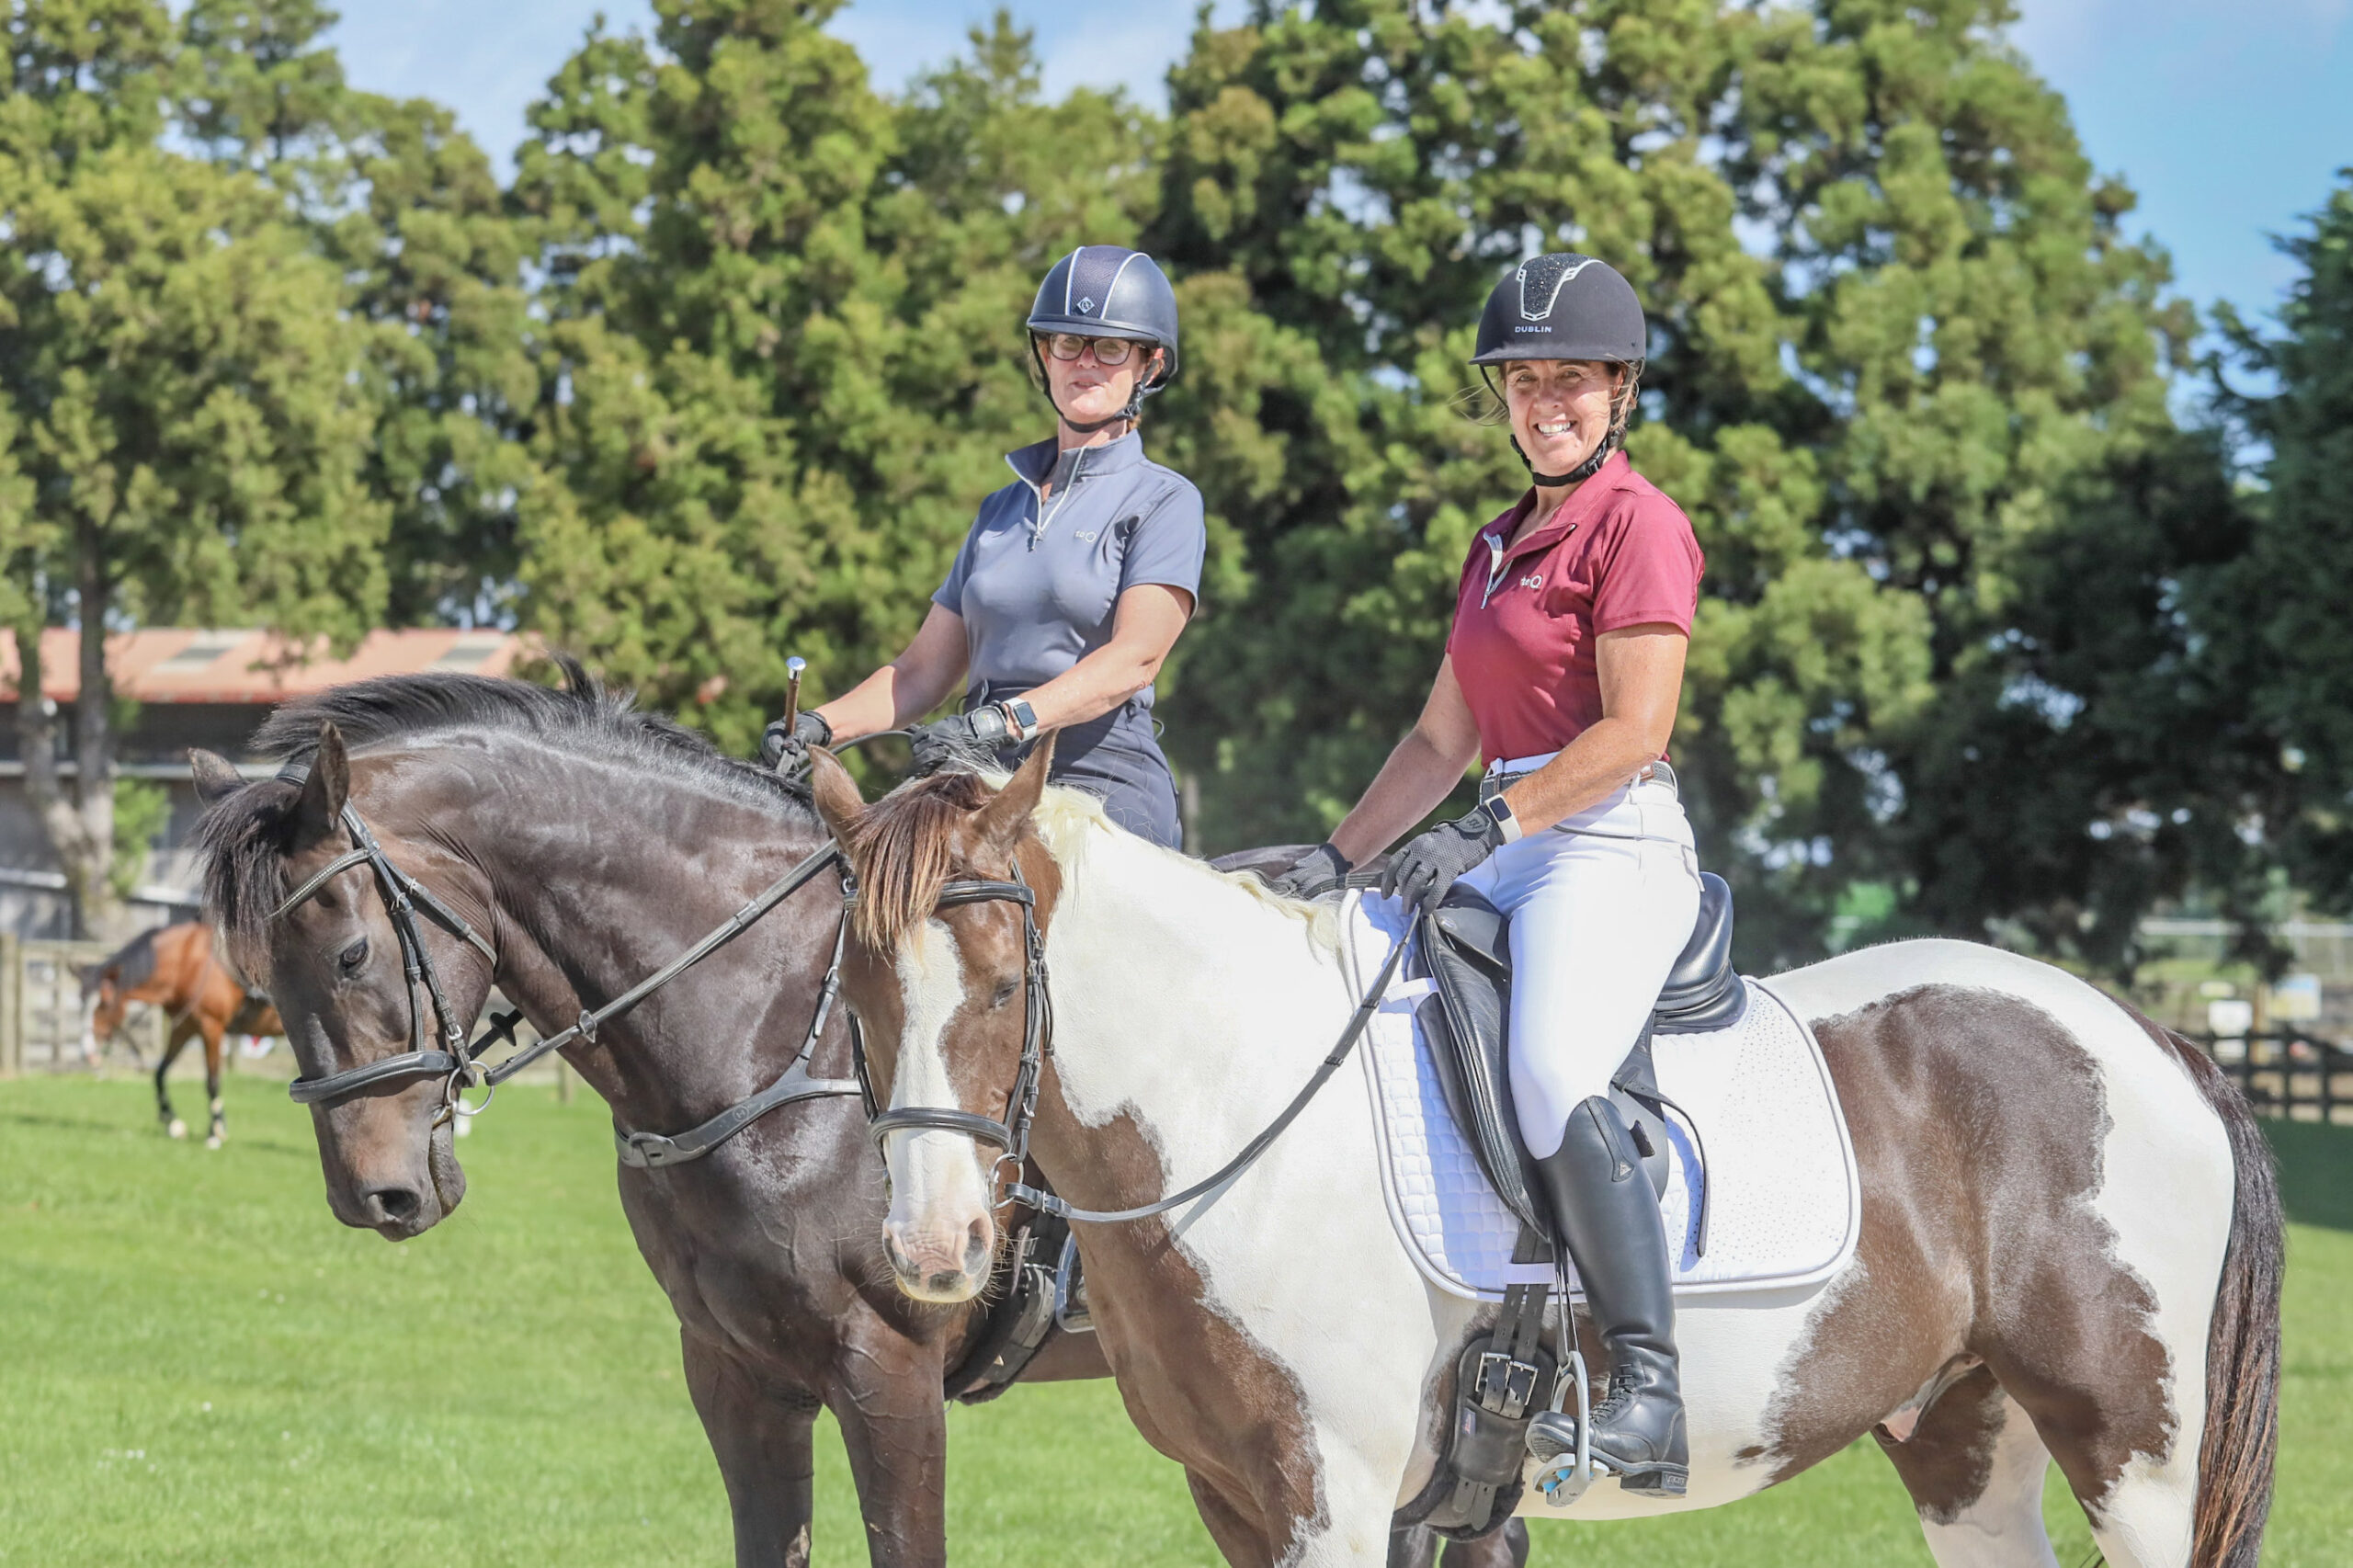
1903 362
788 351
2294 670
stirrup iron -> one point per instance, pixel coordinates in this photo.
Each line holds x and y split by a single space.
1564 1478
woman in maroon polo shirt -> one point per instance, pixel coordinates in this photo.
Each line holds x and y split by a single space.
1563 670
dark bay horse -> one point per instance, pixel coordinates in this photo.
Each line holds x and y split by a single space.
2070 1247
588 845
173 968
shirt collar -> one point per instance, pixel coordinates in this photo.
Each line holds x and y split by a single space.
1033 463
1582 503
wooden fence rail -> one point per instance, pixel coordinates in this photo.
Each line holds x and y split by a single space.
41 1004
2286 1073
41 1019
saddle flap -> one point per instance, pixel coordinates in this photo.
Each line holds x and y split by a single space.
1465 949
1476 929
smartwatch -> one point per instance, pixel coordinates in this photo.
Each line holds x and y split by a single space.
1021 716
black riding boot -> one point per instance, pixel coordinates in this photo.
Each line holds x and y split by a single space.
1608 1215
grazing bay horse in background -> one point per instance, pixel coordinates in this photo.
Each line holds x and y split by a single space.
586 845
173 968
2071 1242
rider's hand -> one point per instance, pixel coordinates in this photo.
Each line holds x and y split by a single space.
785 751
975 737
1314 874
1422 871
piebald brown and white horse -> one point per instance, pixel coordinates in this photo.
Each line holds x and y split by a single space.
2070 1249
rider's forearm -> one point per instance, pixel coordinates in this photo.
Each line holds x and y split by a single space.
1589 770
890 699
1419 773
908 687
1093 686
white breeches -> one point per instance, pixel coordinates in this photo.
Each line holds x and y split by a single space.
1600 907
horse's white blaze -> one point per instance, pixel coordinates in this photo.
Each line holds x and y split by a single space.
1240 1002
938 1180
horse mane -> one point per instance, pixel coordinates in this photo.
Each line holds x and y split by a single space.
901 847
242 839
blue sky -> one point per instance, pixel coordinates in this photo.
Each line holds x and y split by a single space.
2229 119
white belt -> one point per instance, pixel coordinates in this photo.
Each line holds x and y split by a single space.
1503 772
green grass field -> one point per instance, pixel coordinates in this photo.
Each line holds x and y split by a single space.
198 1365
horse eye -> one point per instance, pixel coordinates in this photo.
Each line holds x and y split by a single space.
354 955
1005 990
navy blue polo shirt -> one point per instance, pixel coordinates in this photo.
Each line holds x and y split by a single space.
1039 579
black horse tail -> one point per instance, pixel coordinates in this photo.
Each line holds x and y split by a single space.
2240 1447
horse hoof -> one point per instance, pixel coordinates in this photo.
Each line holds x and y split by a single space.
176 1127
213 1141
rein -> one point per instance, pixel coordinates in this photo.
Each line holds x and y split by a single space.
459 1064
1012 1134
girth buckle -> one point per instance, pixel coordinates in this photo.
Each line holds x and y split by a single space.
1506 1384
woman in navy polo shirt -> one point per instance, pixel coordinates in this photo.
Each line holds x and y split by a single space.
1074 580
1564 668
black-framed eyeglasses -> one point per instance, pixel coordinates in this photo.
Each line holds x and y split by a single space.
1071 345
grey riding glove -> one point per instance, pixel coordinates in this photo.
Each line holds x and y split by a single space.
975 737
1422 871
785 751
1314 874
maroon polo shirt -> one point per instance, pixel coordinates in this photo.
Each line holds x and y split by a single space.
1618 553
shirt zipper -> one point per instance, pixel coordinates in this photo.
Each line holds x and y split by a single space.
1037 529
1496 554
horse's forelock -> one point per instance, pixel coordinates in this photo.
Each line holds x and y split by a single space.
903 848
242 839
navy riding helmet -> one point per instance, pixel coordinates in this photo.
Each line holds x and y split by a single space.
1562 305
1109 291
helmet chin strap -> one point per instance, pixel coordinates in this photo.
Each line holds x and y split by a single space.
1577 475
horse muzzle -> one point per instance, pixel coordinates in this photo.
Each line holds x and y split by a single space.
943 1264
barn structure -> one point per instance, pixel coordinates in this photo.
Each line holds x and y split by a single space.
191 687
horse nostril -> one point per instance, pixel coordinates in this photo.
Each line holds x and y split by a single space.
395 1203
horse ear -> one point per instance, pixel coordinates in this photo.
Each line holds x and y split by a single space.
319 811
835 793
999 823
216 778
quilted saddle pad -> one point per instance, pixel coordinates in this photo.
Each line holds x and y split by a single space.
1784 1204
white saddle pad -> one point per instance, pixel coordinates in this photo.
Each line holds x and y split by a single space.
1784 1204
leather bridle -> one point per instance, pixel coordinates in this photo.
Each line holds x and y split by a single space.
1011 1134
456 1062
404 896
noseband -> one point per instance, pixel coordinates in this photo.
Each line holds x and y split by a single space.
1011 1133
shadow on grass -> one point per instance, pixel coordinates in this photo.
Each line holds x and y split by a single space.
2315 1171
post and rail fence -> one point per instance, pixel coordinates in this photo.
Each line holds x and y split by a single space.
41 1028
2287 1072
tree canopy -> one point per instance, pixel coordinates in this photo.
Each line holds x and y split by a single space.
722 373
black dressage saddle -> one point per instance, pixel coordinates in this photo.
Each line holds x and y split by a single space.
1464 947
